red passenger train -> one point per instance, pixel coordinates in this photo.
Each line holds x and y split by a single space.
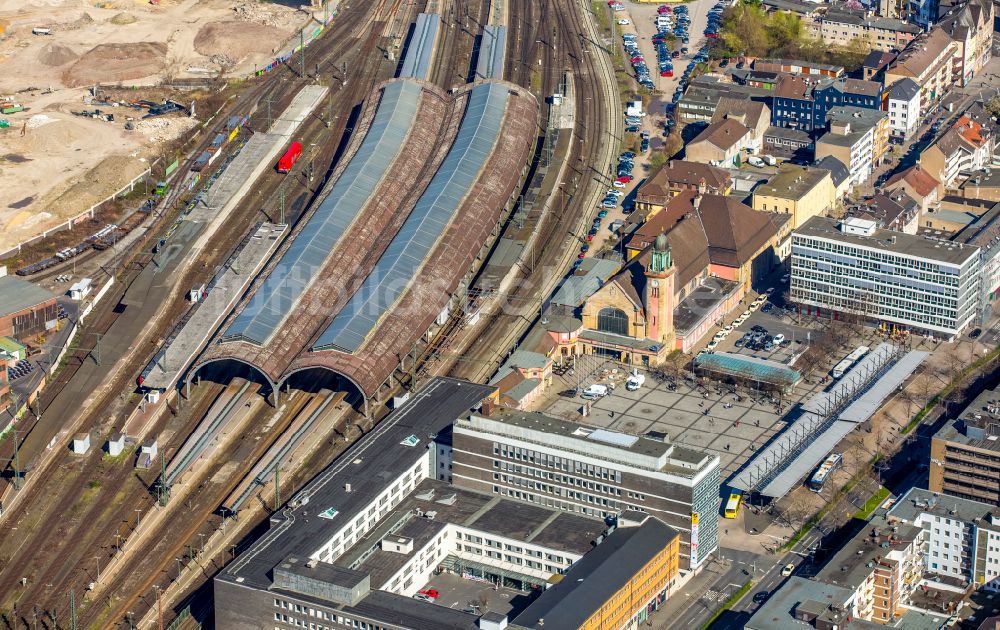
290 157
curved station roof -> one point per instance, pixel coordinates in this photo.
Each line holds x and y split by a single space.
401 221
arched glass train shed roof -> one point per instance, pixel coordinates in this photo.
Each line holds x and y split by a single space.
305 258
431 215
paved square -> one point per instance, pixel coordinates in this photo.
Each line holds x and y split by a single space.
707 415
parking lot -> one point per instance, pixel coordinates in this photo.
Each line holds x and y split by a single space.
460 593
775 322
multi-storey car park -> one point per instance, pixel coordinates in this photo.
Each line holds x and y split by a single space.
410 212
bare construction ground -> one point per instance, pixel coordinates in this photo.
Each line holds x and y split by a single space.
54 164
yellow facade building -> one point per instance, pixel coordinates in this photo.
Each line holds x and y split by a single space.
801 191
617 585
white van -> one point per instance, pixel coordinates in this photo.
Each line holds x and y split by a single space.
635 381
753 160
595 391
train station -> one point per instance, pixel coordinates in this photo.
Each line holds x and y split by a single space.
411 211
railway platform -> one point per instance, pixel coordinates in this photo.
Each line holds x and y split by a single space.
229 284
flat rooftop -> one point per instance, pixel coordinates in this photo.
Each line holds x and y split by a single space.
890 241
367 466
777 613
596 577
858 557
588 440
919 501
826 602
702 302
17 295
982 416
792 182
489 514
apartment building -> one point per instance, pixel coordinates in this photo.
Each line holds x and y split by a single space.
901 280
720 144
840 27
858 138
801 191
850 145
802 102
754 115
961 536
789 144
699 102
881 565
579 469
965 453
930 61
896 212
924 13
966 147
903 107
918 184
970 26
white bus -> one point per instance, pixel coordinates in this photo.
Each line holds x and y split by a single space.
855 356
830 464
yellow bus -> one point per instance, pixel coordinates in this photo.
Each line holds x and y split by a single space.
733 505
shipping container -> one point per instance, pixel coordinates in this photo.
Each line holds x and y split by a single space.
201 162
290 157
12 109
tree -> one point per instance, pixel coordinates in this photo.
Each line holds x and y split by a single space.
784 30
993 106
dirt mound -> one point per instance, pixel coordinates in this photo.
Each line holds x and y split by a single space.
56 55
257 12
123 18
236 40
83 21
116 62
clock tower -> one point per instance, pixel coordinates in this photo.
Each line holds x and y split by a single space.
659 295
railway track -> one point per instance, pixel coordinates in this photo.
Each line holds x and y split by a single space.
47 587
559 233
155 568
461 24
